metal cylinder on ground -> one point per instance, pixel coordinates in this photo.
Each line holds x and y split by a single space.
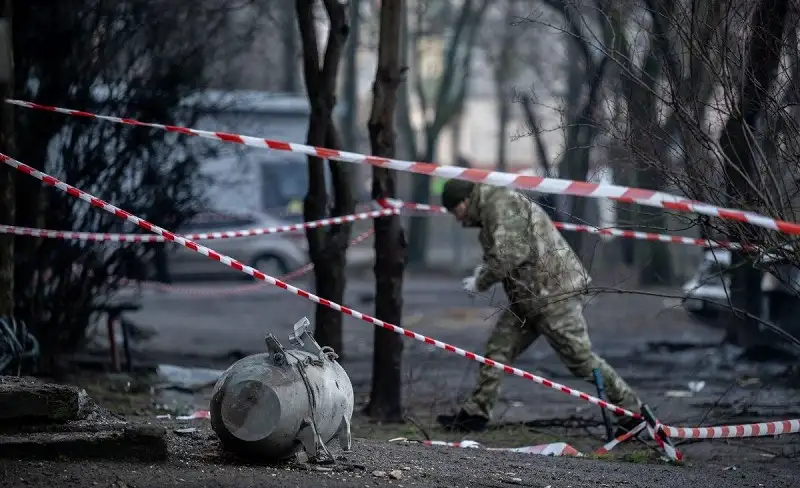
271 405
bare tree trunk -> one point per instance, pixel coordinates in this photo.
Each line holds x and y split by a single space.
291 82
327 247
532 122
580 134
766 41
350 98
503 115
456 237
504 74
7 213
421 193
385 403
651 258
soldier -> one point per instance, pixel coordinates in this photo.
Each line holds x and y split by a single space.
545 283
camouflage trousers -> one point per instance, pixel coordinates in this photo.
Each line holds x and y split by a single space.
565 329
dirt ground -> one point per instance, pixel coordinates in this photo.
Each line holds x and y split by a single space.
653 344
196 460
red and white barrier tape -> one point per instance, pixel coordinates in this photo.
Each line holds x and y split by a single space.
649 236
205 291
96 236
751 430
496 178
657 433
622 438
629 234
228 261
147 238
734 431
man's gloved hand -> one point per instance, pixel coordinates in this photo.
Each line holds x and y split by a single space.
469 284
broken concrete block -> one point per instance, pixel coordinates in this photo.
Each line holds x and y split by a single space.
142 442
27 401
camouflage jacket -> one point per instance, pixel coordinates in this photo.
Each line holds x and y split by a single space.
522 248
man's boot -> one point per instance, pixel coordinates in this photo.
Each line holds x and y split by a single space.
463 422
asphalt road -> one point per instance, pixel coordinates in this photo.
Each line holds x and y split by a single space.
196 463
650 341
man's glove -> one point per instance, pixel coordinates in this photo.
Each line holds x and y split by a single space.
469 285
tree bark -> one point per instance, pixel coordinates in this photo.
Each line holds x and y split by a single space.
385 403
349 129
652 258
7 175
290 75
327 247
769 21
503 74
580 135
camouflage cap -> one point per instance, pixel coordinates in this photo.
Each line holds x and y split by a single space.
455 192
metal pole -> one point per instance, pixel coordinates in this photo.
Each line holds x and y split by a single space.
598 380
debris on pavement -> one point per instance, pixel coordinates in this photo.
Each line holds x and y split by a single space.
693 387
24 400
551 449
48 421
696 386
142 442
187 379
198 414
678 393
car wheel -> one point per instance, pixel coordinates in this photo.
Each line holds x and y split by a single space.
271 265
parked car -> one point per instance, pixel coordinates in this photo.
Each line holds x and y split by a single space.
273 254
707 296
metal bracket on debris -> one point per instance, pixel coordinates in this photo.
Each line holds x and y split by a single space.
300 338
303 340
276 351
300 329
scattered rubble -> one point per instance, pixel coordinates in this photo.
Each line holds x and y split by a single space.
143 442
27 401
47 421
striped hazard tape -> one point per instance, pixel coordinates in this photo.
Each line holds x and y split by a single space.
496 178
628 234
232 263
232 234
659 432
